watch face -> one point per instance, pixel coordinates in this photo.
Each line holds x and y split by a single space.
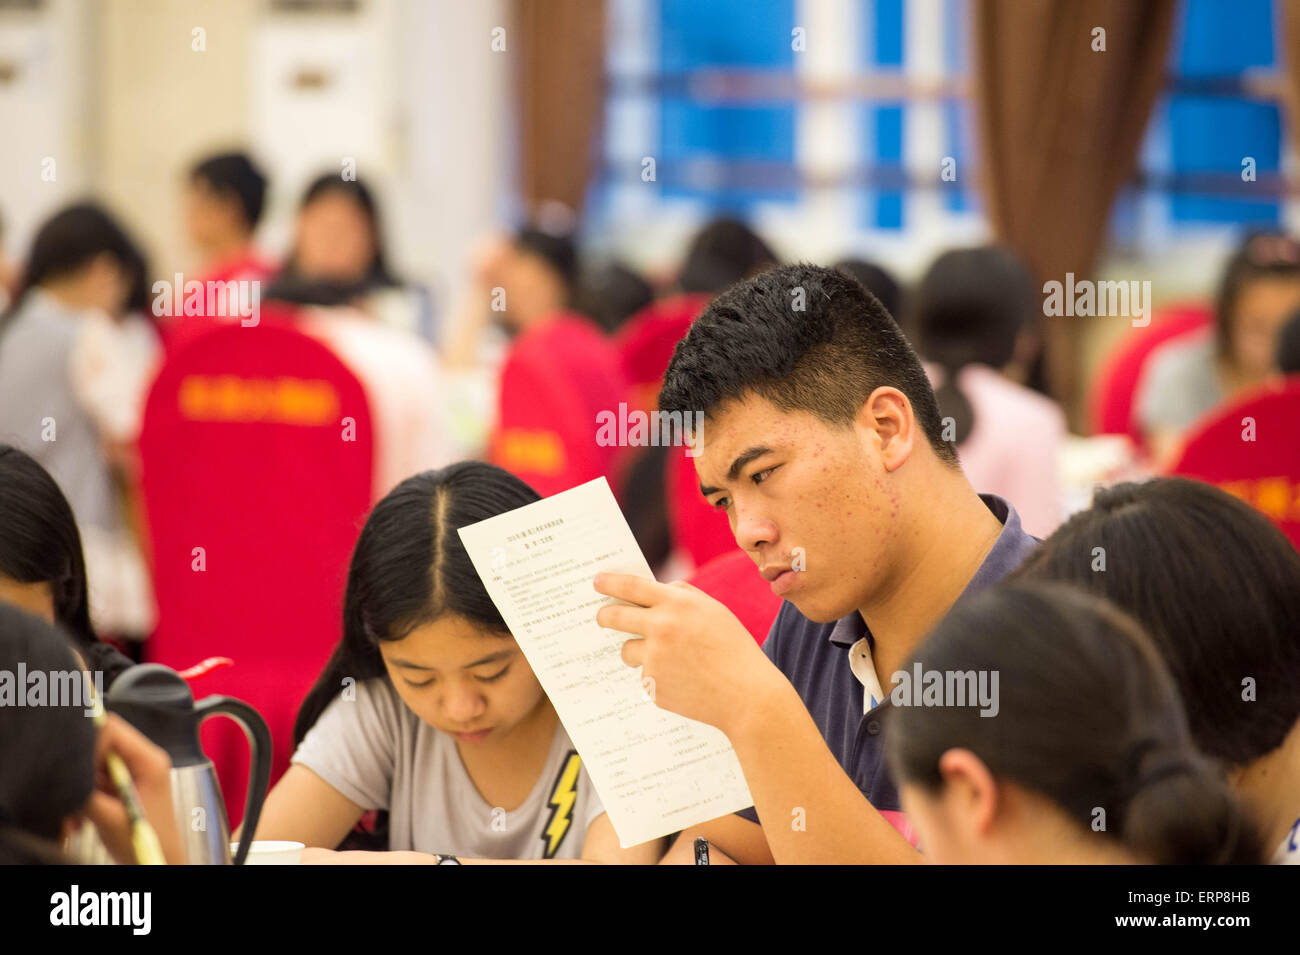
448 860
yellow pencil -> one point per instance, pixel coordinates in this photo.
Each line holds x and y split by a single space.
148 850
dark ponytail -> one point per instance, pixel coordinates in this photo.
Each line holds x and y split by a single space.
968 309
1087 716
1180 811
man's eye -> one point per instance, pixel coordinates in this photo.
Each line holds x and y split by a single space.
495 676
758 477
721 504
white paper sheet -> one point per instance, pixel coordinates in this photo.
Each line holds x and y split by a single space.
656 772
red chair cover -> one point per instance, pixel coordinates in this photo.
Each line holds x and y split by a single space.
257 457
1114 391
1252 449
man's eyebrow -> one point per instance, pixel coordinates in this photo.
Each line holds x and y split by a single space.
749 454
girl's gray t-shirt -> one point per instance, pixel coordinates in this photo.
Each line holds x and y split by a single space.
376 752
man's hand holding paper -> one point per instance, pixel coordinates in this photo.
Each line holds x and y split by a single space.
697 659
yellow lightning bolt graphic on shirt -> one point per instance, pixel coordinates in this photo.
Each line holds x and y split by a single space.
563 796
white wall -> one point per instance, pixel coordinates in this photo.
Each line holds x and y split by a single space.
118 95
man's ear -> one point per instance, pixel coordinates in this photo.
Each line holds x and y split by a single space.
886 416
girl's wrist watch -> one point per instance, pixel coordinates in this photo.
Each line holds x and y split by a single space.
445 859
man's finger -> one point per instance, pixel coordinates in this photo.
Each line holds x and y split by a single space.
622 617
636 590
634 652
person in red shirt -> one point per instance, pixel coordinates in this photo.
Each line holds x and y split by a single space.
223 202
560 371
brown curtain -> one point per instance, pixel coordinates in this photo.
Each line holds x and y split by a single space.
560 81
1288 47
1059 126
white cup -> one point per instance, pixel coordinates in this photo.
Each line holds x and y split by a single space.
268 852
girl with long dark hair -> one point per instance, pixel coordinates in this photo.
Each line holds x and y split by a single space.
428 710
1217 586
42 569
1081 753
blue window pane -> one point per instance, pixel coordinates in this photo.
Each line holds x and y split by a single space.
743 34
887 33
1239 129
957 196
1221 38
748 33
887 123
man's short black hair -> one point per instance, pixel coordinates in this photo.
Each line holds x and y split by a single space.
236 176
804 338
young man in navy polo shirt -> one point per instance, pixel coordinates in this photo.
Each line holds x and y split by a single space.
823 444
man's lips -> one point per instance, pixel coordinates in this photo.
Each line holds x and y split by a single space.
781 579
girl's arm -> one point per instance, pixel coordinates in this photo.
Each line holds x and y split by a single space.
304 808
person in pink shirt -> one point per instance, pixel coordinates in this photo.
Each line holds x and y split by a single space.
972 319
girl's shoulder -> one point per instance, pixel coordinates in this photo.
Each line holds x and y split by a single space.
372 702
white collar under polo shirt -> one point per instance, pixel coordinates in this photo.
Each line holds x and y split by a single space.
864 668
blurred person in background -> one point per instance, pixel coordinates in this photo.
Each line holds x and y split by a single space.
612 293
224 199
1184 380
76 356
331 278
723 252
338 242
1086 719
972 316
339 257
42 570
1288 346
876 280
1217 587
559 370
